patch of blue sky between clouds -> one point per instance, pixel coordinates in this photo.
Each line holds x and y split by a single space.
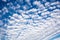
56 37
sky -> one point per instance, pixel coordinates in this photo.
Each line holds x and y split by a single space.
29 20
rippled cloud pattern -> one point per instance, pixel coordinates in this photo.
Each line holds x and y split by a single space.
29 20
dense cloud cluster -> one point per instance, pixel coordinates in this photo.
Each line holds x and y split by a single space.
29 19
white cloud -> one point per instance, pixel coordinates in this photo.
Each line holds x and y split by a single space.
36 2
58 6
52 7
47 4
44 26
4 0
44 13
15 15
